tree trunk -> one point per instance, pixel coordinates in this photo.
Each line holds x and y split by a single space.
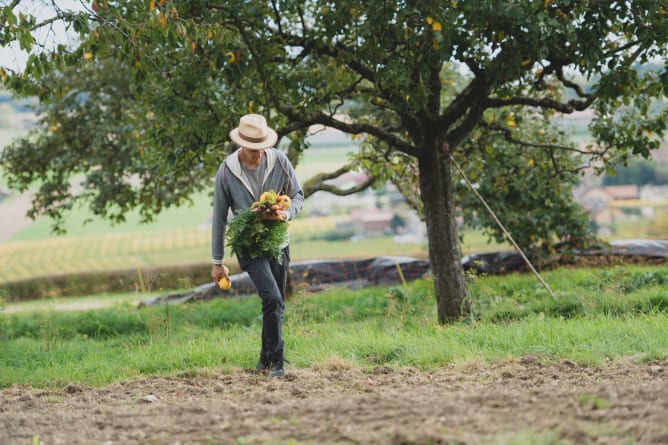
437 193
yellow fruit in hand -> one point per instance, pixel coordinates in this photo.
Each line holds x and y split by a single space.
284 201
225 283
269 196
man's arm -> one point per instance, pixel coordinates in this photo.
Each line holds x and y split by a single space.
219 219
294 191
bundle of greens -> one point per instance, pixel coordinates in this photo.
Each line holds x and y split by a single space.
249 234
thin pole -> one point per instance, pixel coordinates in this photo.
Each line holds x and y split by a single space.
526 260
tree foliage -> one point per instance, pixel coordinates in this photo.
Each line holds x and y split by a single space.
422 83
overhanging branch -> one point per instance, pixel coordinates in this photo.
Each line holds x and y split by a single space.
546 103
508 135
318 183
570 84
350 128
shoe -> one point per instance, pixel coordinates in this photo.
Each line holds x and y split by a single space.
277 369
262 364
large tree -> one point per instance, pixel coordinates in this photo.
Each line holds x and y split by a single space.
432 82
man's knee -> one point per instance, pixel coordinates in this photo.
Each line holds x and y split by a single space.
271 300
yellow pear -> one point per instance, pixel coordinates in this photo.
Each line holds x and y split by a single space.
268 196
224 283
284 201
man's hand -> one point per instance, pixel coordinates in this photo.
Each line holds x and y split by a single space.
276 215
218 271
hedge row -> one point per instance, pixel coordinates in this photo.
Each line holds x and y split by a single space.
91 283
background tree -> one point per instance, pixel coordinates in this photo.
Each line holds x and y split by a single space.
327 62
638 172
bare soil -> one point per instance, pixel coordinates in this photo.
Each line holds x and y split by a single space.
514 402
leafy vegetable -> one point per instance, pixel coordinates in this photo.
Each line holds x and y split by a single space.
248 234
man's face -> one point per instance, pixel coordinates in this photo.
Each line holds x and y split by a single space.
253 156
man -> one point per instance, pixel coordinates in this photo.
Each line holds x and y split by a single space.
243 176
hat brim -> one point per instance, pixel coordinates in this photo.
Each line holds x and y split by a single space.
269 140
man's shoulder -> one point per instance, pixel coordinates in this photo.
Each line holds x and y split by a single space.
282 157
234 156
231 161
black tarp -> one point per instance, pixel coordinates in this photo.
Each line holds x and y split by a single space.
317 275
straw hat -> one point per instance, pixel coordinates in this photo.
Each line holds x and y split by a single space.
253 133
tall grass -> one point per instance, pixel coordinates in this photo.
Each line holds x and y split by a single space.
598 315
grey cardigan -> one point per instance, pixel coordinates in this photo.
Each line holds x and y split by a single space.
232 191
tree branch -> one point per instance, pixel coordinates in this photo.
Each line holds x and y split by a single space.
457 134
566 108
311 46
570 84
318 183
350 128
277 16
508 135
474 91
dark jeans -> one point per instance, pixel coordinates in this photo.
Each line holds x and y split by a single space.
270 279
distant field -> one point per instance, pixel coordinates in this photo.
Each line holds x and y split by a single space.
182 235
190 245
320 159
190 216
178 236
127 250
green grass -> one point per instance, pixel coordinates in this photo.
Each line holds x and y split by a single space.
77 303
598 315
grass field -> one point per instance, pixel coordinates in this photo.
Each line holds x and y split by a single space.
520 345
599 314
523 368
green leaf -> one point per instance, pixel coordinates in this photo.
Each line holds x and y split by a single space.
9 16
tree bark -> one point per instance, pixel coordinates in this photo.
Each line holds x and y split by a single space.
437 192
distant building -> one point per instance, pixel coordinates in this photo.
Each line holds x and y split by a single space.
612 204
594 199
653 194
370 221
622 192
